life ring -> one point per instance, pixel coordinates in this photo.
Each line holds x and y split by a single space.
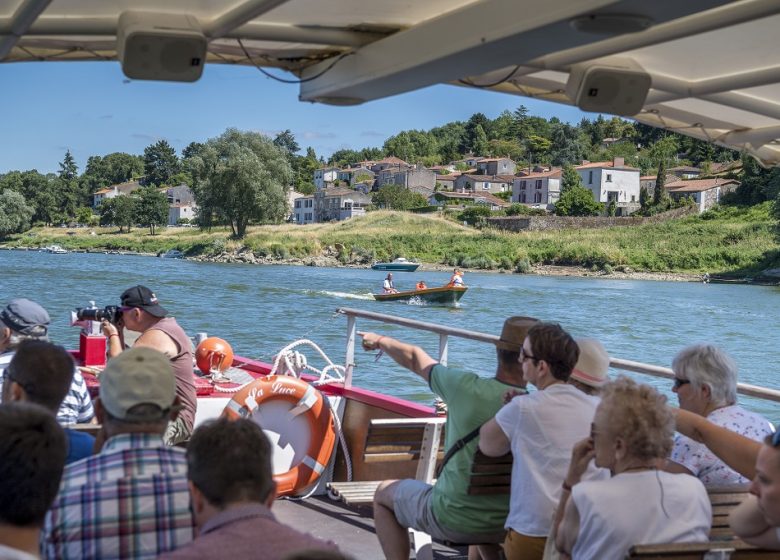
306 400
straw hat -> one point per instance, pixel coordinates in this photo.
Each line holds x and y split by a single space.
514 332
593 365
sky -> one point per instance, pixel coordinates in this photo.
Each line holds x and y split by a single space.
90 108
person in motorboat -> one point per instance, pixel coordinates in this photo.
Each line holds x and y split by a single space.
445 510
41 373
32 447
631 435
142 312
705 381
456 279
23 319
135 482
232 488
421 285
387 286
592 369
540 429
757 519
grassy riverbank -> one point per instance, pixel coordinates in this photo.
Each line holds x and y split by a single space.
730 241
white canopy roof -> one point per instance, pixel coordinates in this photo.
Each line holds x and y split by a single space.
714 64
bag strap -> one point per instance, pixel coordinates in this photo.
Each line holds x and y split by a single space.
457 446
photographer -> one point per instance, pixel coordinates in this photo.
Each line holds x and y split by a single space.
141 312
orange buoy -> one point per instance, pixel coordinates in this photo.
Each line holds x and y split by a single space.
213 354
306 402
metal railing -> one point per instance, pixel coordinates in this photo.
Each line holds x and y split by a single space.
445 332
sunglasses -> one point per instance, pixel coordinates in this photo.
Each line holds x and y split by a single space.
680 382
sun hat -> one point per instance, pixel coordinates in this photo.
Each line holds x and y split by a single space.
593 364
138 376
143 298
514 332
25 317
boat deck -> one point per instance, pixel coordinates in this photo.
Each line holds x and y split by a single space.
352 529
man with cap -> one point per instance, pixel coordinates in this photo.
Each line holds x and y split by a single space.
23 319
131 499
445 510
141 312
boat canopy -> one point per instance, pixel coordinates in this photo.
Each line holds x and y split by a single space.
713 65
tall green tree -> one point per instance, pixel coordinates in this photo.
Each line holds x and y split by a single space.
15 213
242 177
151 209
160 163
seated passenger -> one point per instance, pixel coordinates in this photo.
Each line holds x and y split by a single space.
592 369
446 510
135 483
32 447
631 436
540 429
706 384
232 489
41 373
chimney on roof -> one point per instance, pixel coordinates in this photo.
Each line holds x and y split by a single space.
618 162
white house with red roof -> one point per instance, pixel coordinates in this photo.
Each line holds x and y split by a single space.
612 181
539 190
706 193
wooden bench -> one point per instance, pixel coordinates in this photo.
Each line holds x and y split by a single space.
713 550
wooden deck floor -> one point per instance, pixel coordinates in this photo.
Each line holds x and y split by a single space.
352 532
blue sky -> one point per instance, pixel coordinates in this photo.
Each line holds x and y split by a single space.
91 109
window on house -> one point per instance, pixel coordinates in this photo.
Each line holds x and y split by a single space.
609 177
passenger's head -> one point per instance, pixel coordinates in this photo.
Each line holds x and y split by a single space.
705 378
766 484
513 334
33 449
40 372
22 319
137 392
228 462
592 369
548 351
632 427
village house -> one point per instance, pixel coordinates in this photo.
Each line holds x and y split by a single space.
706 193
496 166
484 183
442 198
539 190
114 191
612 181
325 176
330 204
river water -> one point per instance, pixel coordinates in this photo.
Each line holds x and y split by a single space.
260 309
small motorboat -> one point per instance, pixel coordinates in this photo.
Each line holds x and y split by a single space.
443 295
397 265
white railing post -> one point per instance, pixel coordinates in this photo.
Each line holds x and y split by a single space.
349 359
443 348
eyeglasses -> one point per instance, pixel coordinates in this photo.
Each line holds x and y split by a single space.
680 382
526 356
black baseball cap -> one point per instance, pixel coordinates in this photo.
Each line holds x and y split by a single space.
143 298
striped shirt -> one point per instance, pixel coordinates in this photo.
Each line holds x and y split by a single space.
129 501
77 405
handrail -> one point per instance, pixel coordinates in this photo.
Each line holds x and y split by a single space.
444 332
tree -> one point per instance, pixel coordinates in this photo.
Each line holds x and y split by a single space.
118 211
160 163
396 197
15 213
151 208
243 177
578 201
286 141
570 178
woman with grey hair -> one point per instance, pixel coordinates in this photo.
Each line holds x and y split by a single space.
705 380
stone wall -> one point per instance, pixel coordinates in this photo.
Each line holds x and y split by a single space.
538 223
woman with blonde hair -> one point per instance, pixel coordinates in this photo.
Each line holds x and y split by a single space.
631 435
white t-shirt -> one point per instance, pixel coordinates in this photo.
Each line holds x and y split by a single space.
543 427
644 507
703 463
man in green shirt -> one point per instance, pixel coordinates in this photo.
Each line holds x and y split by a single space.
445 510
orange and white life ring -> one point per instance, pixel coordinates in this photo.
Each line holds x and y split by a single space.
306 401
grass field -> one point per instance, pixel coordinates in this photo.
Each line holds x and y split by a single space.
728 240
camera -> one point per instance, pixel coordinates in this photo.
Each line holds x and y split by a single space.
110 313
